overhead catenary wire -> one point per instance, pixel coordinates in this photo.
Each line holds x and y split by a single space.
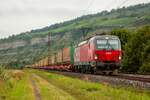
105 7
109 4
122 3
117 6
88 7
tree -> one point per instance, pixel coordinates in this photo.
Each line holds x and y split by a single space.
137 52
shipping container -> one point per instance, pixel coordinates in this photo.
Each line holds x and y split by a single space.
72 55
46 61
49 61
59 57
40 63
53 59
68 55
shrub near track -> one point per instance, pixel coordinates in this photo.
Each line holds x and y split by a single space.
21 86
137 52
83 90
5 83
14 85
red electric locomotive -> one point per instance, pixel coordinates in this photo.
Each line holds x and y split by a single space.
98 54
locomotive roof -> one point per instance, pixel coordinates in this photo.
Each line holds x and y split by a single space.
81 43
98 37
105 37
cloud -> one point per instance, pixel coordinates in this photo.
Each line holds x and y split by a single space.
23 15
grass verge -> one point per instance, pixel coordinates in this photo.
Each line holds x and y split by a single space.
14 85
83 90
22 89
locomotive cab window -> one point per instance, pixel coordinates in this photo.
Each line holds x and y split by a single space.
110 44
101 44
113 44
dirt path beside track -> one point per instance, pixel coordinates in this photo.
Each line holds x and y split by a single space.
35 89
44 90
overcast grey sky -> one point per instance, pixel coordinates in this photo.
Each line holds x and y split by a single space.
18 16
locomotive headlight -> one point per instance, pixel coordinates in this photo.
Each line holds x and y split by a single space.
120 57
96 57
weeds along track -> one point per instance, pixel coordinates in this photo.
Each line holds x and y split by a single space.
142 82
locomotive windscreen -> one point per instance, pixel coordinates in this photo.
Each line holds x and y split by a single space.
107 44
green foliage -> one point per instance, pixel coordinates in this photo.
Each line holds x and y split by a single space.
15 65
1 72
137 51
145 68
4 75
5 83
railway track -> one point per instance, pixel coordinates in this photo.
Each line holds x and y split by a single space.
136 81
134 77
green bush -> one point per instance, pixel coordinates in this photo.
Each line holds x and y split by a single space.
137 51
145 68
3 74
5 83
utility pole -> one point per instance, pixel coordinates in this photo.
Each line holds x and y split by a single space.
49 46
17 60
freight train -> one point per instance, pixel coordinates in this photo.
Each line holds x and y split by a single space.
98 54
